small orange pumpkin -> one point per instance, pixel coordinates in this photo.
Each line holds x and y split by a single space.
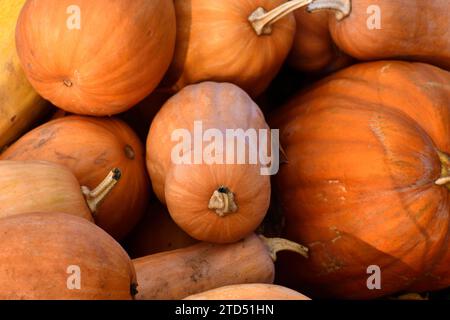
216 42
90 148
95 57
313 49
215 202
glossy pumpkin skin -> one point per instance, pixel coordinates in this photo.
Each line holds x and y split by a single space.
187 188
313 49
116 58
253 291
359 186
90 148
180 273
20 105
156 232
216 42
27 186
413 30
37 251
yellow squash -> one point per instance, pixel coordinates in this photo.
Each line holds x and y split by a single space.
20 105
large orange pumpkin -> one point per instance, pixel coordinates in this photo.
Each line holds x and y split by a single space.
90 148
55 256
216 42
365 180
95 57
210 200
382 29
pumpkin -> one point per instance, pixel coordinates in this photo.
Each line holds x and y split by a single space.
366 180
156 232
27 186
216 42
90 148
253 291
55 256
20 105
313 49
95 57
180 273
212 200
382 29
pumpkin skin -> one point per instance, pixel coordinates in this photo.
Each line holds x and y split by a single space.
90 148
27 186
313 49
359 186
413 30
253 291
216 42
187 188
20 105
37 250
81 72
180 273
156 232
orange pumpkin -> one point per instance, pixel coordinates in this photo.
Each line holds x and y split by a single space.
90 148
155 233
95 57
47 187
365 180
313 49
55 256
180 273
216 42
210 201
386 29
253 291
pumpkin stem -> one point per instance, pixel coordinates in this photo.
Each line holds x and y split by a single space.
222 201
342 8
95 197
262 21
444 180
276 245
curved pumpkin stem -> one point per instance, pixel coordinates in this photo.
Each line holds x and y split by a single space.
276 245
262 21
95 197
444 180
222 201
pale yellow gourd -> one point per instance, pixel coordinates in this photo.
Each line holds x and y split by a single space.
20 105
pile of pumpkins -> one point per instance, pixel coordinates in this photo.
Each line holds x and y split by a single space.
92 205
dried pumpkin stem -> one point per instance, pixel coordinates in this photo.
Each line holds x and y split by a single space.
262 21
444 180
222 201
95 197
275 245
342 8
